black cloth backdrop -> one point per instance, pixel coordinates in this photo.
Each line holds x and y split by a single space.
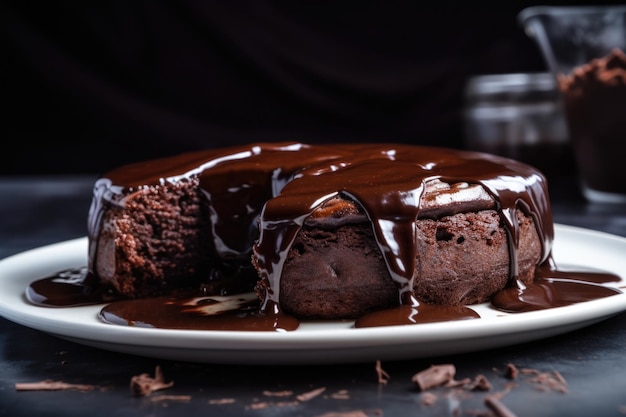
91 85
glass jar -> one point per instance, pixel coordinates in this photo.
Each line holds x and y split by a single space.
519 116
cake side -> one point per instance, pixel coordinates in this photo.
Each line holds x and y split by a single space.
464 259
335 269
153 240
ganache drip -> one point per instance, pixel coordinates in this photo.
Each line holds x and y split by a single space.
391 196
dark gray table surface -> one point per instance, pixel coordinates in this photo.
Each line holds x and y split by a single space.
39 211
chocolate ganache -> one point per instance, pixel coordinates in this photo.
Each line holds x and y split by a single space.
256 199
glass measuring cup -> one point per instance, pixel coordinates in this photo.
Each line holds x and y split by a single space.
583 47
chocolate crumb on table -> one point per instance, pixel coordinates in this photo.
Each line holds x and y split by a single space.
480 383
265 405
438 378
499 409
435 376
144 384
443 376
340 395
511 371
383 376
222 401
277 393
310 394
49 385
547 381
183 398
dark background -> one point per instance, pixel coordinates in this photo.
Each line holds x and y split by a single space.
91 85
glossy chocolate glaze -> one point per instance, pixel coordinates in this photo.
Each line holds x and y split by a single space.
391 196
279 186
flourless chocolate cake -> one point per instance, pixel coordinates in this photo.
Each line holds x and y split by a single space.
322 231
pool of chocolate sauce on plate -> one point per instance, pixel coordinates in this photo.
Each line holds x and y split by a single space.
392 206
190 310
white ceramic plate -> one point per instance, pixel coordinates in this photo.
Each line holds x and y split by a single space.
320 342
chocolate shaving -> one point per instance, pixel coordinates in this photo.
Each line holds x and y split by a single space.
340 395
480 383
511 371
383 376
559 378
311 394
184 398
499 409
49 385
453 383
443 376
435 376
547 381
144 384
551 381
264 405
222 401
277 393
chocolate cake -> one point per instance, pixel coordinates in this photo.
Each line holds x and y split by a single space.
331 231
